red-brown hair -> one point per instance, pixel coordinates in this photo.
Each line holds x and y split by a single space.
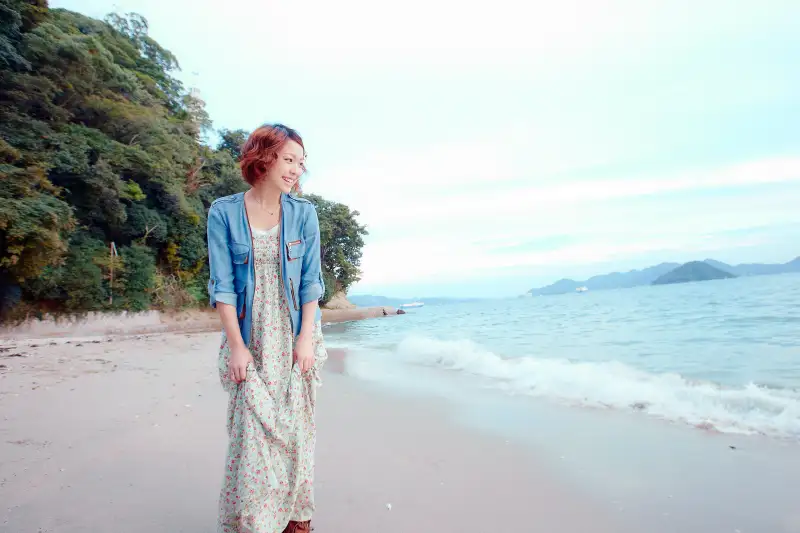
260 150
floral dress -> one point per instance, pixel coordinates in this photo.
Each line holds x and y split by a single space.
269 470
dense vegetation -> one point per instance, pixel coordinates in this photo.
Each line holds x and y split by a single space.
105 178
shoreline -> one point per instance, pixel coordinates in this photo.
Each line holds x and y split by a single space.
660 475
105 434
107 431
153 322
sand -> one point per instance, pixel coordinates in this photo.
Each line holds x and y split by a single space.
150 322
127 435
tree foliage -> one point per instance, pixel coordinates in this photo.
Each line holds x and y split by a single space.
342 239
100 143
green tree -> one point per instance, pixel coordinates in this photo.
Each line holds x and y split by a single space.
341 244
79 283
101 143
34 220
138 278
232 142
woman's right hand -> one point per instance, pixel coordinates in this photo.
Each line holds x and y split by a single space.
237 363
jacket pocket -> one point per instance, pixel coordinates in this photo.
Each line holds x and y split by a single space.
295 250
240 255
239 252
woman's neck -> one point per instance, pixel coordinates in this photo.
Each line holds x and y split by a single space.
265 196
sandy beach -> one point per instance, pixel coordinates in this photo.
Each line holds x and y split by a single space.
127 435
151 322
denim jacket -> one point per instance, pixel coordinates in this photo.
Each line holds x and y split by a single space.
230 258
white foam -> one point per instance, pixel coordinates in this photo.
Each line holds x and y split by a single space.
750 409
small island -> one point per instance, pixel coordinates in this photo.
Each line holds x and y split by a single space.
692 271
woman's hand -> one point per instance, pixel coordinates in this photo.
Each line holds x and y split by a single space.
304 352
237 362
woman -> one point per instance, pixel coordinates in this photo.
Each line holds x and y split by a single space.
264 258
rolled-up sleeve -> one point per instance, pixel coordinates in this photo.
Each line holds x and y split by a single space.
220 264
311 285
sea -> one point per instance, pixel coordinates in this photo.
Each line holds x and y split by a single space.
718 356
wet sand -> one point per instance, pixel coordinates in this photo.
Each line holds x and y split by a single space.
128 435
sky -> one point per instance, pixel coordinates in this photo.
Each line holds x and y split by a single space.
499 146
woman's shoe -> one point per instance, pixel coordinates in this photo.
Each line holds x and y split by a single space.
298 527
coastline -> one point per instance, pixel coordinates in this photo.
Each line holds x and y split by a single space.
333 316
128 434
108 430
154 322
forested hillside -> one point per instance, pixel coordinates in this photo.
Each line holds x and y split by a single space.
105 180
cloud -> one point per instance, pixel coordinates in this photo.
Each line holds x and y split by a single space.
391 266
466 235
324 34
477 139
436 195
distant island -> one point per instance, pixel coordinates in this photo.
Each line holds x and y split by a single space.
646 276
692 271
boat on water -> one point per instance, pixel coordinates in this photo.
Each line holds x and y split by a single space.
582 289
412 305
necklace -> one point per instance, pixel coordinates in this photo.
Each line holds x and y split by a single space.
261 205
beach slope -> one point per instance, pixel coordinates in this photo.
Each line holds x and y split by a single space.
128 435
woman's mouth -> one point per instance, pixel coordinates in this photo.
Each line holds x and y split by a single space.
289 181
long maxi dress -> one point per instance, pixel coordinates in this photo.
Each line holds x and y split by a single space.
269 469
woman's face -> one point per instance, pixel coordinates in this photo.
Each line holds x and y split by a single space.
288 168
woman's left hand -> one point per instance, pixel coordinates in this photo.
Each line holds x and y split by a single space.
304 352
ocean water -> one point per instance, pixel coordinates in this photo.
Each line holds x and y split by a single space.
720 355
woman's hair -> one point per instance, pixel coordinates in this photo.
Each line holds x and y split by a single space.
260 150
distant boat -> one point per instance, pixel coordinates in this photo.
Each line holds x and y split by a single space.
412 304
582 289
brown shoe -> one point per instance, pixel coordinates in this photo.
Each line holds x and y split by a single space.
299 527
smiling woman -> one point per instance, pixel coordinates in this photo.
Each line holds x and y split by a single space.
266 282
265 148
